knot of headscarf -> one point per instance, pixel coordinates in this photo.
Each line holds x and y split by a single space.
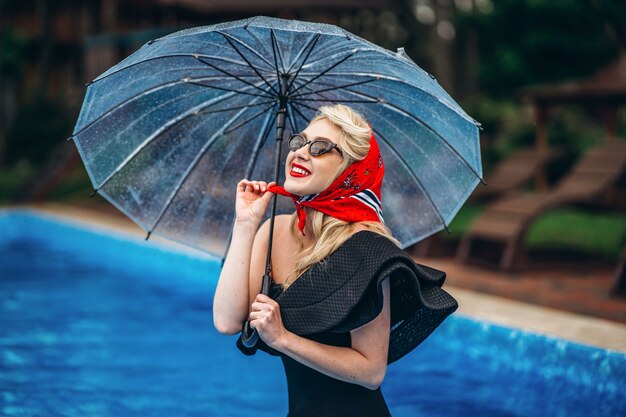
353 196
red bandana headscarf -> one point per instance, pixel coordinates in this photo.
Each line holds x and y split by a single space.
353 196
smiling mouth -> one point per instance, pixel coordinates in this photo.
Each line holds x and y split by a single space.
297 171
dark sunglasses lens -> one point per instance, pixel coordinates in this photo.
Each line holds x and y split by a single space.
318 148
296 142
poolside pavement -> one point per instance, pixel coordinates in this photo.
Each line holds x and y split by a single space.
568 303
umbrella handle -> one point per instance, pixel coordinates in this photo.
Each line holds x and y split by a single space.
249 336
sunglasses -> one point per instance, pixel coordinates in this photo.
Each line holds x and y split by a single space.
318 147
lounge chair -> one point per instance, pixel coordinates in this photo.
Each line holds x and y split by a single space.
515 171
506 220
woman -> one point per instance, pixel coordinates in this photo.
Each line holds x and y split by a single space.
334 174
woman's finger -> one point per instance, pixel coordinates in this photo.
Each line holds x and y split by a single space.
243 184
258 305
264 299
254 315
255 186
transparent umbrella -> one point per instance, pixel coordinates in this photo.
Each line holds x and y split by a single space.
167 133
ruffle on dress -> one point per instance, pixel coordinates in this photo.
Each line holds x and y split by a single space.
344 291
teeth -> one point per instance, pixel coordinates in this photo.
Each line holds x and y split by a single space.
299 171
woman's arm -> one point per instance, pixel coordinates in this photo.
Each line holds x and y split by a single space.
230 303
365 363
232 294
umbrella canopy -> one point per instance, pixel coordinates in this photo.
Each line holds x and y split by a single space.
167 133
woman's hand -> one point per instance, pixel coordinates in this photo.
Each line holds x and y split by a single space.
252 200
265 318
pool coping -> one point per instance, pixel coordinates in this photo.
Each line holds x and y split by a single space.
498 310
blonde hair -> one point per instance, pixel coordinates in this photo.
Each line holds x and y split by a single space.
328 232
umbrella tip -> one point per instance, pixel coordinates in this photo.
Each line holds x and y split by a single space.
70 138
150 42
89 83
95 190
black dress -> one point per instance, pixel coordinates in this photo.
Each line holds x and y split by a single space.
312 393
341 293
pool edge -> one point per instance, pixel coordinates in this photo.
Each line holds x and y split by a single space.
548 321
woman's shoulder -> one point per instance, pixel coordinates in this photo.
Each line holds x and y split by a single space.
373 241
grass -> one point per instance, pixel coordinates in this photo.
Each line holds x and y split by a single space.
462 221
601 234
77 185
12 179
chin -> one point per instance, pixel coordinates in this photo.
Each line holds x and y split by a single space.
288 186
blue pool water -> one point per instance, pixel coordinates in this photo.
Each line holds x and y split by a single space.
101 324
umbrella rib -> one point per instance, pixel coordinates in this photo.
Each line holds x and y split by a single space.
232 90
195 55
304 48
210 112
258 145
427 126
337 100
326 70
298 102
261 57
228 38
276 51
334 88
186 174
313 43
292 121
166 84
239 78
325 98
249 119
412 173
236 108
451 106
149 139
304 105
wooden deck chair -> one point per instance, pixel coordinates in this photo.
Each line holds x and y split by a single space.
515 171
510 174
504 222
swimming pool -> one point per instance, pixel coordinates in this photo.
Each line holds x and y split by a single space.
97 323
